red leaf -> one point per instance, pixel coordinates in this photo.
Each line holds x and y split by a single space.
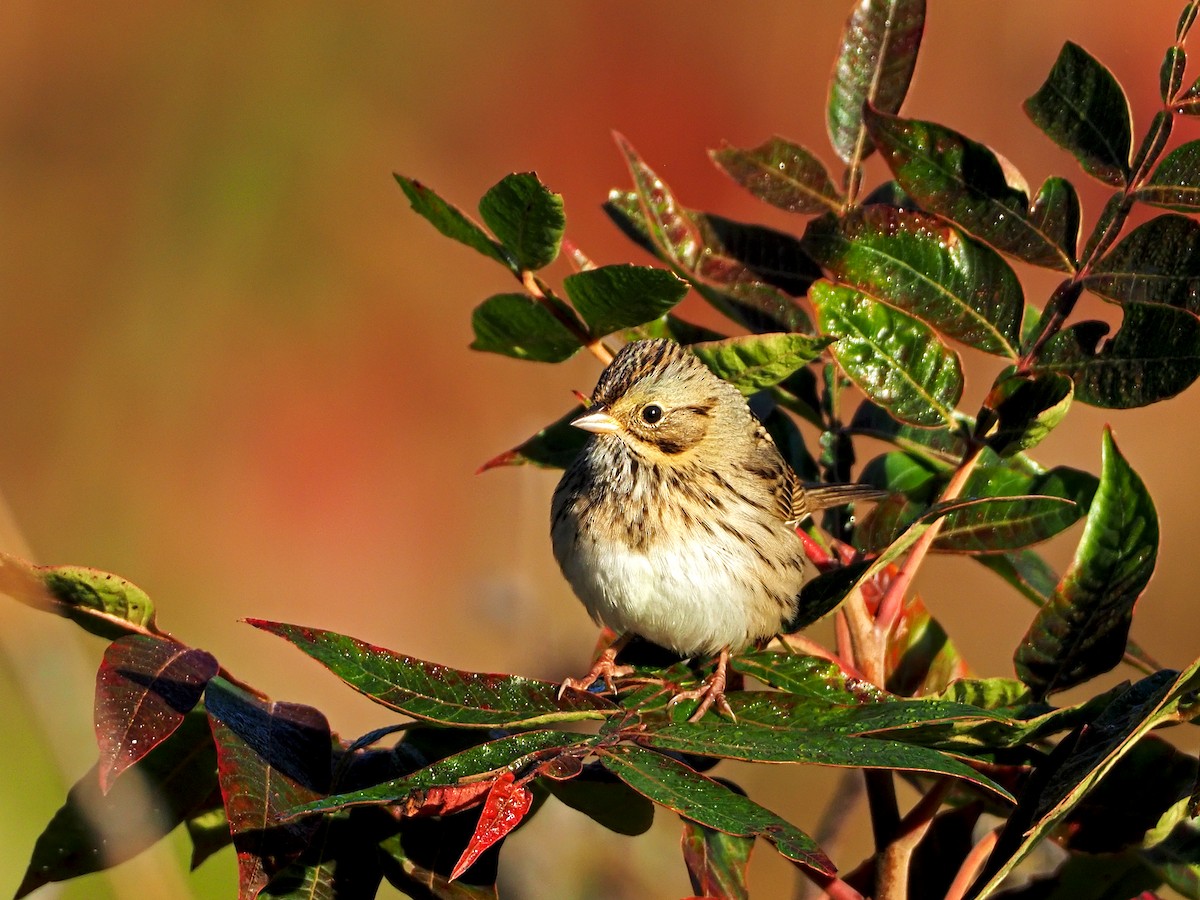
144 688
505 807
444 800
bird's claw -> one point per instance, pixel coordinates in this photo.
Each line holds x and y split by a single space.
711 693
605 668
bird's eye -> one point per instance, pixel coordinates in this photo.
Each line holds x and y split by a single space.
651 414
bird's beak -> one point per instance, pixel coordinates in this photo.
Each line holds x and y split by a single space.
597 421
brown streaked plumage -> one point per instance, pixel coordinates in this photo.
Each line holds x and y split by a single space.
677 521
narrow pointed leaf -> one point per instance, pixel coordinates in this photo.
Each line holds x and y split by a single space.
1188 104
1151 148
527 217
897 361
506 805
1170 74
610 298
554 447
758 361
451 221
144 689
781 173
678 787
1157 262
1083 109
874 66
516 325
947 173
1175 184
926 268
1155 355
716 862
271 756
94 831
99 603
438 693
1082 631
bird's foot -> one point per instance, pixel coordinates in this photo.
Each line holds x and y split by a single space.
711 693
605 668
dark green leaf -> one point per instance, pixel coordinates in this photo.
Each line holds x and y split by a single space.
823 594
438 693
208 831
1188 104
874 67
1175 184
926 268
1151 148
716 862
676 786
614 297
1157 262
949 174
1082 630
611 803
1012 524
1155 355
93 830
900 472
762 256
675 329
341 863
451 221
945 444
1170 73
806 676
1083 109
517 325
758 361
897 361
1026 408
1112 219
527 217
1026 571
145 687
554 447
781 173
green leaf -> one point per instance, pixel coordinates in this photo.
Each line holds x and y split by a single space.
1083 629
527 217
341 863
926 268
1157 262
874 67
438 693
944 444
902 472
451 221
1155 355
897 361
99 603
554 447
678 787
986 693
1083 109
610 803
781 173
962 180
1026 571
1170 73
1175 184
516 325
1027 407
758 361
716 862
614 297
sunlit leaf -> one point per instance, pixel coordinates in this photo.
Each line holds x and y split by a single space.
926 268
874 67
921 658
758 361
1155 355
1175 184
519 326
897 361
1157 262
716 862
946 443
1026 409
1083 629
554 447
614 297
527 217
438 693
781 173
506 804
451 221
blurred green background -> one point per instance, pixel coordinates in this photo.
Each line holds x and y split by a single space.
235 364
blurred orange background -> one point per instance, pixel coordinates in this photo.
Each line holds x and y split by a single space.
236 363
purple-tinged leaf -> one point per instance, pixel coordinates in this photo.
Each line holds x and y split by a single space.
527 217
1170 74
1082 630
610 298
926 268
271 756
897 361
451 221
962 180
716 862
554 447
519 326
874 67
438 693
753 362
1175 184
1157 262
99 603
680 788
144 688
1082 108
670 226
94 830
782 174
1155 355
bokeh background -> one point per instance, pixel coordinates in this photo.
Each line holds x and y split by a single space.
235 363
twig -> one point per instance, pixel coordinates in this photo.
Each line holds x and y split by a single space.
971 866
894 862
831 827
592 344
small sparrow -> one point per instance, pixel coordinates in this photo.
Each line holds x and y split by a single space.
677 520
